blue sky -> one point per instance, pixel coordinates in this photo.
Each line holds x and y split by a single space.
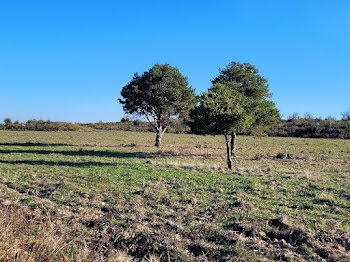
67 60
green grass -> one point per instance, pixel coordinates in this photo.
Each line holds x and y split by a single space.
179 203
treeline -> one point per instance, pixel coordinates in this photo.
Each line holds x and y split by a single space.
126 124
312 128
294 127
39 125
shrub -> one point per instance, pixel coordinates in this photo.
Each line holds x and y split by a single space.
312 128
7 121
284 156
281 156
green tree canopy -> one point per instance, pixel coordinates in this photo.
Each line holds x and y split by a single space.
219 110
159 94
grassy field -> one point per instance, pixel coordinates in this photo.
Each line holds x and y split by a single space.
96 196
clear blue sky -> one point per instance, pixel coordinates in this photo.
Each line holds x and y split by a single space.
67 60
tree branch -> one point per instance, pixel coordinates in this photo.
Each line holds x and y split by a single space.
164 130
152 124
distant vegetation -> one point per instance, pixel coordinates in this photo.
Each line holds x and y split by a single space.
312 128
38 125
297 127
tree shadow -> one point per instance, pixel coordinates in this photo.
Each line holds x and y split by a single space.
97 153
56 163
34 144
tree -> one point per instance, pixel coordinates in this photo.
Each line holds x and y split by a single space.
159 94
346 115
346 119
308 115
236 102
293 117
7 121
218 112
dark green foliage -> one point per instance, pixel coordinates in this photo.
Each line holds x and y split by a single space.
219 111
7 121
159 91
245 79
40 125
236 102
266 115
159 94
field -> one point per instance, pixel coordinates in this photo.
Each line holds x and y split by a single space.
111 195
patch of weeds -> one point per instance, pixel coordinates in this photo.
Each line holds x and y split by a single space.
219 237
305 250
30 202
323 201
196 249
258 157
284 156
128 145
323 157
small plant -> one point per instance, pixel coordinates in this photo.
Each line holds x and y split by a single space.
306 250
136 122
281 156
285 156
258 157
129 145
290 156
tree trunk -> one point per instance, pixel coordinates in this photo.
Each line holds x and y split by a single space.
233 144
228 151
159 134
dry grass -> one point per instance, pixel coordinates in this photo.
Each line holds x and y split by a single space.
29 236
